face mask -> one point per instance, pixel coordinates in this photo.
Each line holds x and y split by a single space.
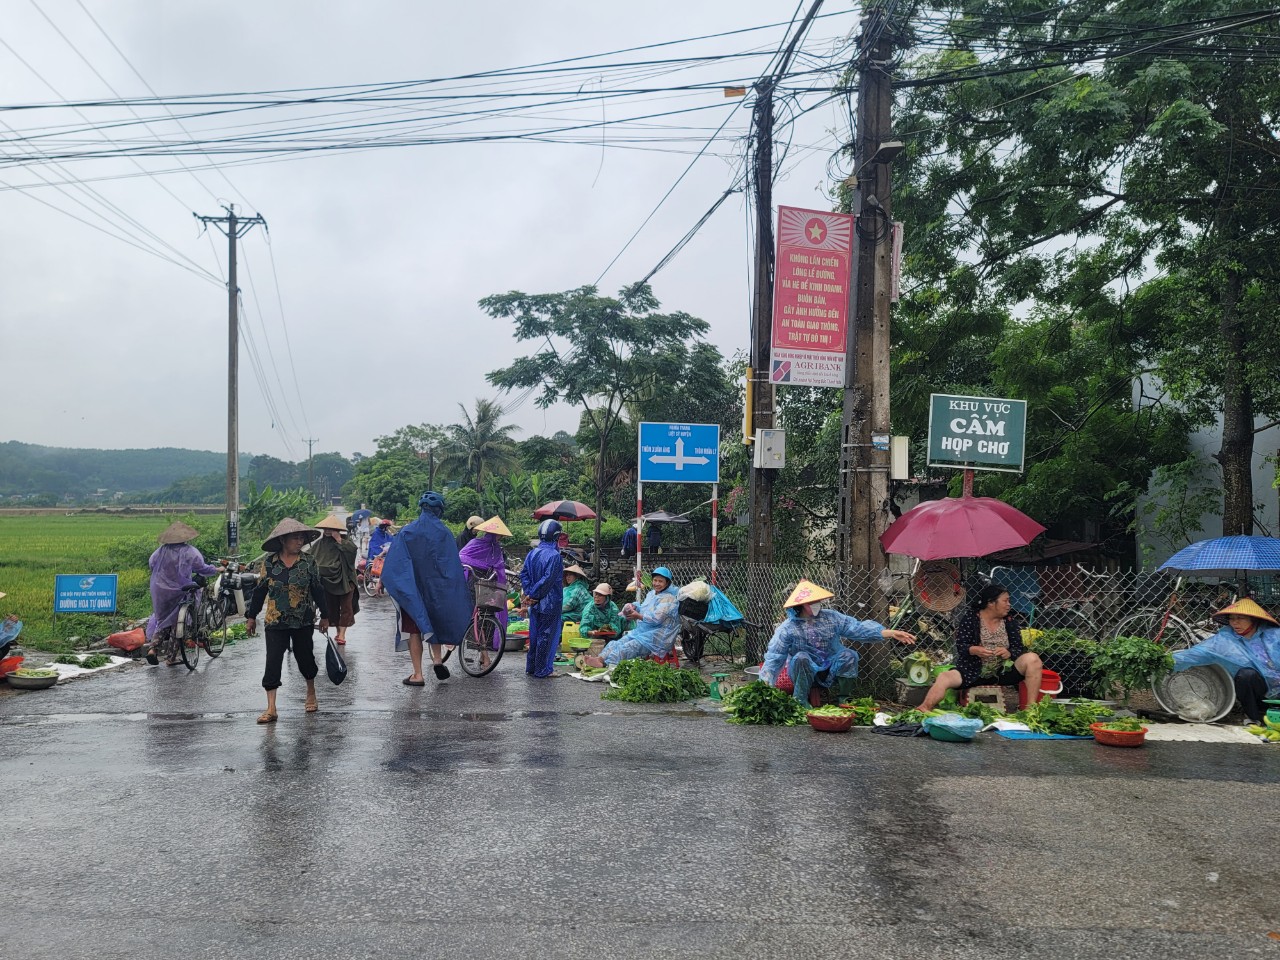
814 609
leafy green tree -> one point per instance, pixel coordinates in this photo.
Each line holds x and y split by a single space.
481 445
598 353
1103 218
388 482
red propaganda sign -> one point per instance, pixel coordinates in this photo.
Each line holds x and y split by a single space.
811 298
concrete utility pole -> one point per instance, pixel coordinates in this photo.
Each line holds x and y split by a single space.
234 227
864 470
761 394
311 484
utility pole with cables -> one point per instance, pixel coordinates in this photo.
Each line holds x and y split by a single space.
234 227
311 484
864 456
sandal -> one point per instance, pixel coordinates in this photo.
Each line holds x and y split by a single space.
267 717
311 706
149 654
410 682
441 671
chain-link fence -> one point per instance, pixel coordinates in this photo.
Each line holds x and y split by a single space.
1067 608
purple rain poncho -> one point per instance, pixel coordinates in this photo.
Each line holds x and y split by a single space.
172 567
484 552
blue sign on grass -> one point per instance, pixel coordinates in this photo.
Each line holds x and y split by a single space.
84 593
679 453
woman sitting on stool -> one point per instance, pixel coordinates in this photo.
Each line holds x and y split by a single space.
986 640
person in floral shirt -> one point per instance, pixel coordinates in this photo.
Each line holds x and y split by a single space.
290 589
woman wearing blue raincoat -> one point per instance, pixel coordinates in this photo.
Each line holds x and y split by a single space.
808 643
542 586
655 626
380 539
1247 648
425 579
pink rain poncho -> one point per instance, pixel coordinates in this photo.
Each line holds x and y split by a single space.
172 567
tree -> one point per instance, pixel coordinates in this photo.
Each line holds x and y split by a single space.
388 482
481 444
598 353
1102 175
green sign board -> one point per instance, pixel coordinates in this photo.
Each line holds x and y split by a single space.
977 433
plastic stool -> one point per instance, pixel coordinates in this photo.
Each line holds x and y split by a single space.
672 658
985 694
1050 686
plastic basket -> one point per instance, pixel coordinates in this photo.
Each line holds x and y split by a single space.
490 596
1118 738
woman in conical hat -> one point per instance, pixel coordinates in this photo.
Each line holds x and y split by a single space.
483 555
1248 646
173 565
807 644
335 555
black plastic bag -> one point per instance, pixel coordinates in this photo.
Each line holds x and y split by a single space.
334 665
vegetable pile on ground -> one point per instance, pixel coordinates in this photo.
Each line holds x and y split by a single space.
644 681
1269 729
1124 725
864 711
1049 717
759 703
90 661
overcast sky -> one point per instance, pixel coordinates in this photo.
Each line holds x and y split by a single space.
382 254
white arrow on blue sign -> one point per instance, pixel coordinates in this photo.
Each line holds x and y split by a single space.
679 453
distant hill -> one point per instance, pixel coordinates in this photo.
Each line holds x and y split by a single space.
28 469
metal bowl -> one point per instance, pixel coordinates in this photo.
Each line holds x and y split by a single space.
31 683
1202 694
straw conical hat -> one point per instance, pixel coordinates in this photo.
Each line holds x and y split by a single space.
574 568
287 525
1247 608
331 523
807 591
178 532
493 525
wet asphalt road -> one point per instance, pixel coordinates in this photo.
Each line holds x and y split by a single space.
147 816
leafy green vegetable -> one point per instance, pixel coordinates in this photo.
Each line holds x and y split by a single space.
644 681
914 716
95 660
1049 717
1130 663
759 703
1124 725
864 711
70 658
1057 641
977 710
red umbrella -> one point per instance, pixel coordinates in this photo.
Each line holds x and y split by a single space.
959 527
564 510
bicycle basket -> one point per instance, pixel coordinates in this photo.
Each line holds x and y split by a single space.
490 596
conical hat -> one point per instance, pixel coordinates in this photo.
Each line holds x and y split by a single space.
331 523
807 592
287 525
1248 608
493 525
574 568
177 532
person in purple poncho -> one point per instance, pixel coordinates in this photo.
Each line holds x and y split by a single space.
173 565
483 554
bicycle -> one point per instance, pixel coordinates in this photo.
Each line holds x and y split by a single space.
1177 625
926 609
225 597
369 578
1072 613
183 638
482 645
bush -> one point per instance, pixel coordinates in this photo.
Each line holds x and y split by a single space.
460 504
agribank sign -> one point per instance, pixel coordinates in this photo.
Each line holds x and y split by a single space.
980 433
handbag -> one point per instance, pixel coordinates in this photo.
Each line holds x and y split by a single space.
334 665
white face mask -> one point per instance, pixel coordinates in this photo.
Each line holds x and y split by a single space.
814 608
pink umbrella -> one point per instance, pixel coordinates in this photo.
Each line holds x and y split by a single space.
959 527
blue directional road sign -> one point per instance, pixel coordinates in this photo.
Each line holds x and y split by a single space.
679 453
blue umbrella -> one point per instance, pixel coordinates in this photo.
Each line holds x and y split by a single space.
361 514
1226 557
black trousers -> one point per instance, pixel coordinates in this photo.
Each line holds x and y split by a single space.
1251 688
278 641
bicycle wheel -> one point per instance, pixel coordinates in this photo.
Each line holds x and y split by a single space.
692 642
370 586
188 626
1152 625
477 654
215 625
1067 618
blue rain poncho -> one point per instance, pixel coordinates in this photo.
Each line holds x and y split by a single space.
379 540
423 575
1234 652
720 609
542 579
653 635
813 646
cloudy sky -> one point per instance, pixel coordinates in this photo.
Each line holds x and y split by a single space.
360 303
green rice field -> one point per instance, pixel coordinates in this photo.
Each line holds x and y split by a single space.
35 547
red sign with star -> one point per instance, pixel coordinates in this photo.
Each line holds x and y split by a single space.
811 297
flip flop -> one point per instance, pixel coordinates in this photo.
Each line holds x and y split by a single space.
441 671
410 682
340 642
151 657
267 717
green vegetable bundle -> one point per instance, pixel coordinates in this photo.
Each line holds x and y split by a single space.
759 703
1049 717
34 672
1269 730
1130 663
1124 725
864 711
644 681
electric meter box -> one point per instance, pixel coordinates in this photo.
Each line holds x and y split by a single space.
770 449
